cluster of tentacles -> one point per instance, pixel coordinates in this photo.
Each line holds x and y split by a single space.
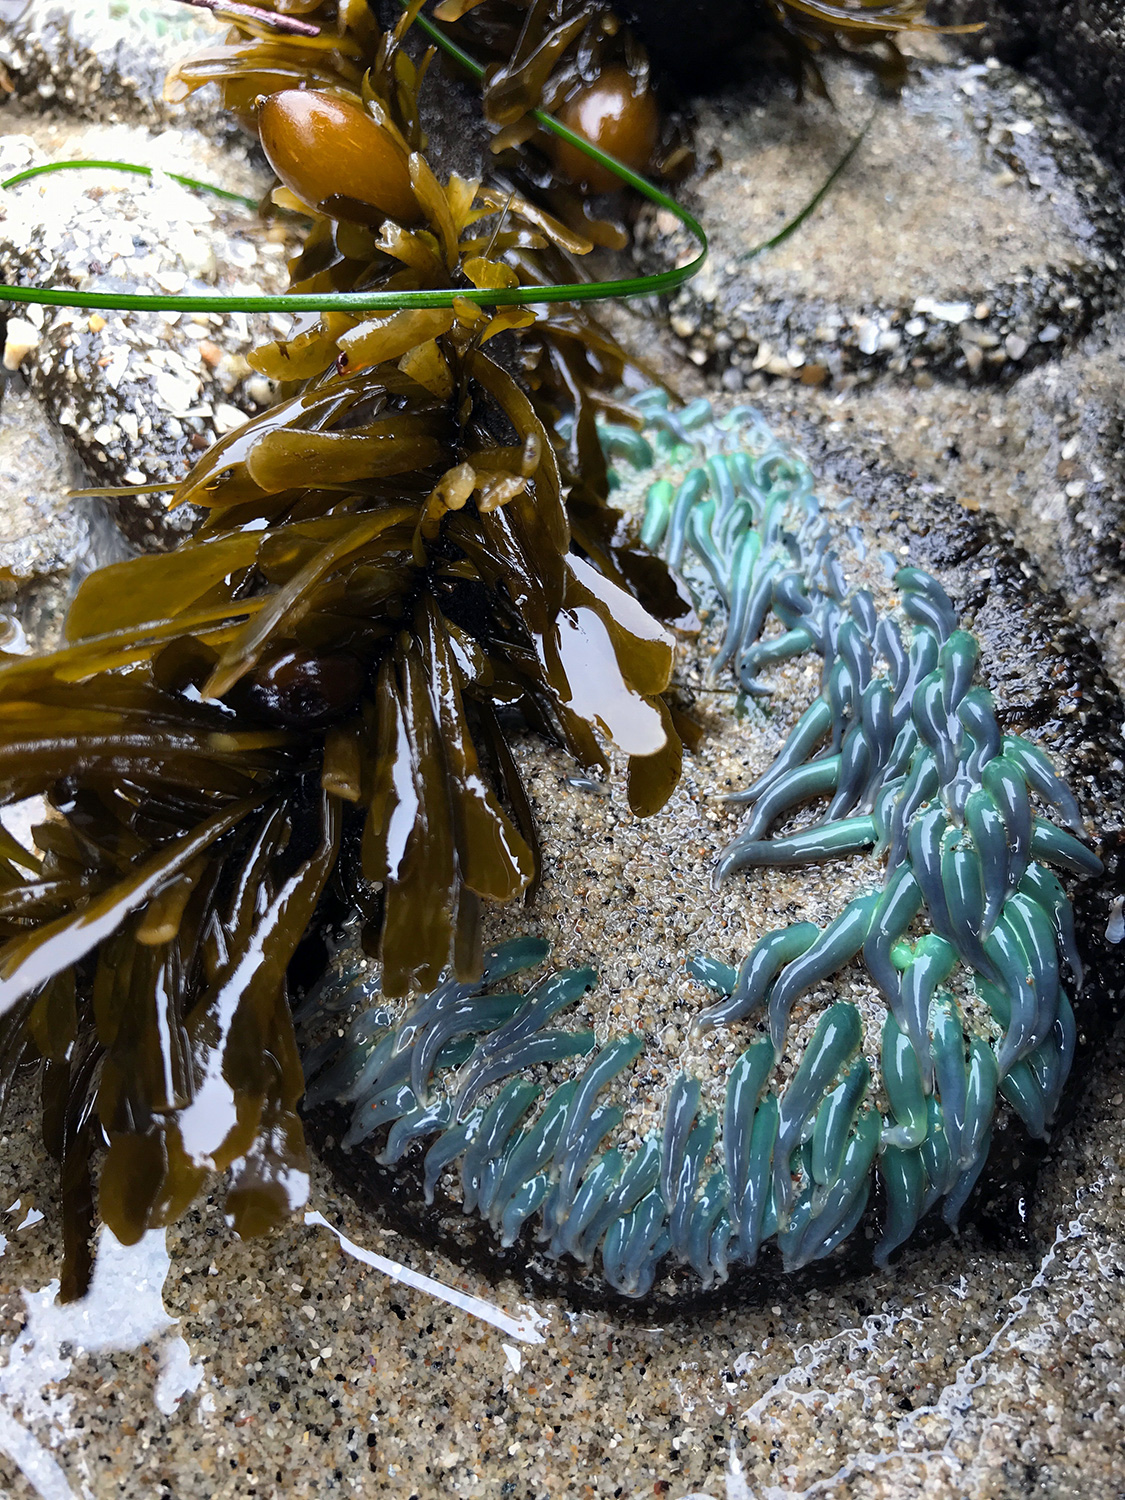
966 936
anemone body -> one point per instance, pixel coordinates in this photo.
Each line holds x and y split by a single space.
903 751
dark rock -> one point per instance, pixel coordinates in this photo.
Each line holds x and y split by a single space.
974 235
1077 45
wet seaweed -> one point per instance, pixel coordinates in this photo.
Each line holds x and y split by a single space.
576 61
726 39
807 30
302 703
320 106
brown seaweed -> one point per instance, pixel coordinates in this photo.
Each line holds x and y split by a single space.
303 701
807 30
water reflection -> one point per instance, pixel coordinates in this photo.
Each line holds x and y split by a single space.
122 1310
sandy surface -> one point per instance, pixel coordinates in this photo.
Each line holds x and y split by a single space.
916 240
971 1369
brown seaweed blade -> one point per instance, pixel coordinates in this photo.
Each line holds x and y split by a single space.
238 1036
26 963
495 861
408 840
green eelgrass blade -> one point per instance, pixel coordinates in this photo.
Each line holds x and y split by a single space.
129 166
